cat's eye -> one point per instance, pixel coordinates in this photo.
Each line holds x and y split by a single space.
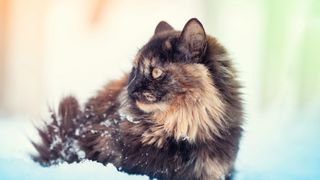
156 73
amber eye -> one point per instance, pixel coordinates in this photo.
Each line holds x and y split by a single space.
156 73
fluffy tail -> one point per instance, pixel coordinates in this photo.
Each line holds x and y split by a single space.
59 138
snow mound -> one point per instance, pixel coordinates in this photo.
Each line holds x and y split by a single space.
14 168
16 164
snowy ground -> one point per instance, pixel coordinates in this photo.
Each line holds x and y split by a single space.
274 147
16 164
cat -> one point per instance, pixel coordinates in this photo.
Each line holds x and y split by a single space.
177 114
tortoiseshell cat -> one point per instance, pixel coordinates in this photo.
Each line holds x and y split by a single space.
176 115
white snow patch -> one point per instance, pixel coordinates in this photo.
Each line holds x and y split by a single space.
77 132
128 117
185 137
15 162
106 123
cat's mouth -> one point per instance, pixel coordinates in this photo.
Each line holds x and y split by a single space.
149 97
145 98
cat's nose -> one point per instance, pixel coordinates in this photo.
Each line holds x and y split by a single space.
135 95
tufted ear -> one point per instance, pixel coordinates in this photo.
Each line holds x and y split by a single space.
193 39
162 27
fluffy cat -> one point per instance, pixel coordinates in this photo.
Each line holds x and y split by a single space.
176 115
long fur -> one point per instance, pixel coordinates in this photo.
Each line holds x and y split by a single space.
190 130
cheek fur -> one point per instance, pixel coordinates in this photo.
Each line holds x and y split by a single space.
196 109
154 107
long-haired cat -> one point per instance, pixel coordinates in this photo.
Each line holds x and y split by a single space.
176 115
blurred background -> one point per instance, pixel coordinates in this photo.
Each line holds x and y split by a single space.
53 48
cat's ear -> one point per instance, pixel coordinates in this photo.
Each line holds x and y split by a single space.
193 39
162 27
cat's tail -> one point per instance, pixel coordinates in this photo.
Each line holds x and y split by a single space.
59 138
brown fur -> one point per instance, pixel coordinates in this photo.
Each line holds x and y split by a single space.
186 116
184 124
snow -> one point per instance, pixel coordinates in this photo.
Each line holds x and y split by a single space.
16 164
16 168
273 147
185 137
106 122
126 116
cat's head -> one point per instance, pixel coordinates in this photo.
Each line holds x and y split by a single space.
169 67
175 81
